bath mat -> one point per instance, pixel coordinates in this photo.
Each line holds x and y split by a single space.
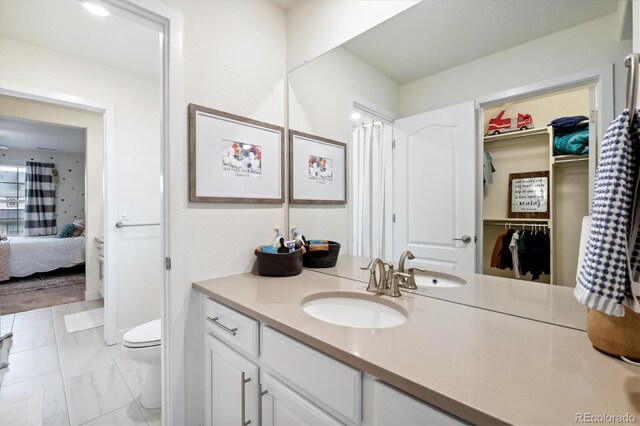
84 320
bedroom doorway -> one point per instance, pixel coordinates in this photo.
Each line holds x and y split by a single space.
100 93
62 267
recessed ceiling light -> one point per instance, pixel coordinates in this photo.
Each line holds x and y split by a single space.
96 9
4 147
355 116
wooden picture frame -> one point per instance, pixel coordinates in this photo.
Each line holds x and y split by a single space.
234 159
317 170
529 195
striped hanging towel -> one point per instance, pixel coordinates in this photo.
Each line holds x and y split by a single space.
604 281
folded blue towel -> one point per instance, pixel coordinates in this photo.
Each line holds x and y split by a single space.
566 122
573 143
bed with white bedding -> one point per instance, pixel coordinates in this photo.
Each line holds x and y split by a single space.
28 255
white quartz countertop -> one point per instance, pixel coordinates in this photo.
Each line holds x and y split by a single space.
483 366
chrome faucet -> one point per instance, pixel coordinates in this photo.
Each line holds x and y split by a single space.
387 282
407 280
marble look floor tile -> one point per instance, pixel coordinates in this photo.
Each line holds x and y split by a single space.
78 360
31 363
129 415
30 338
52 385
95 394
125 365
23 410
90 337
6 321
5 330
155 420
135 380
33 318
61 419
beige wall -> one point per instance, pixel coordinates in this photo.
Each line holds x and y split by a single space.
38 111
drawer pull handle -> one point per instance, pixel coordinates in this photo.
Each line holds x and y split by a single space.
231 331
243 381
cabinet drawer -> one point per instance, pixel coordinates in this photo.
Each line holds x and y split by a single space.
330 384
232 327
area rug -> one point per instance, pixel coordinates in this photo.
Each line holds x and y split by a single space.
84 320
21 285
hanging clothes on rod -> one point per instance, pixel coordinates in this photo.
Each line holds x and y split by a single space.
608 275
524 251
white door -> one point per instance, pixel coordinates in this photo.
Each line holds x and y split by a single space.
434 188
282 406
231 386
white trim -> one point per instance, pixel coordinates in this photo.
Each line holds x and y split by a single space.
93 295
602 77
174 293
107 110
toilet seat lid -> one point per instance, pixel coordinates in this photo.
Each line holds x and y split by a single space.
144 335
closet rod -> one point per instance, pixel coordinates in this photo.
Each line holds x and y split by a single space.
631 62
525 224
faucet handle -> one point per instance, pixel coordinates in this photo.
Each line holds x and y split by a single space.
389 275
394 290
411 278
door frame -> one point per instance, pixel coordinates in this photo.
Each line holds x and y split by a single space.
106 111
601 77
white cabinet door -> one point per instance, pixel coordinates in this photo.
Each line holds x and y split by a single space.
385 405
282 406
434 188
231 386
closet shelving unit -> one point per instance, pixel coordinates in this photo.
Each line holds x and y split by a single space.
569 195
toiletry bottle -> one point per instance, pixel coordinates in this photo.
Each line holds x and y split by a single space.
279 236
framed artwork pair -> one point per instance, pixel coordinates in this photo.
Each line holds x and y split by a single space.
234 159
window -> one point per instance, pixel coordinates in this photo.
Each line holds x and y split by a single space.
12 194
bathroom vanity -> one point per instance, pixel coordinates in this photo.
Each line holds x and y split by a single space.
267 361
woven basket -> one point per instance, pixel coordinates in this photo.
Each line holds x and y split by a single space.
279 265
615 335
322 259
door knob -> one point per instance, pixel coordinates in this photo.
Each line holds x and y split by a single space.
465 239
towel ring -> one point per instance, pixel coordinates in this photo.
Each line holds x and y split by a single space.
631 62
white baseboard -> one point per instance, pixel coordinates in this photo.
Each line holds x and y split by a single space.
93 295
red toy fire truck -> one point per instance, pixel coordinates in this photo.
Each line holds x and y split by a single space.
499 124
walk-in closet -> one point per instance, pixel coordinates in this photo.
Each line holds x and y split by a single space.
537 182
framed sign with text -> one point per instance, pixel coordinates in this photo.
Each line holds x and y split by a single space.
529 195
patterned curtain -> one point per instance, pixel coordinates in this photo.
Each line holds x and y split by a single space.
40 202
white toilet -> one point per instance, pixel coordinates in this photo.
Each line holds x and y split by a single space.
143 344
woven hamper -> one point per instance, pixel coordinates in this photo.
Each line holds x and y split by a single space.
279 265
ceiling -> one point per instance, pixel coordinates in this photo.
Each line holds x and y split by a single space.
65 26
436 35
284 4
31 135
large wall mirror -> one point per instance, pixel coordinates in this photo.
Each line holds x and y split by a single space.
413 98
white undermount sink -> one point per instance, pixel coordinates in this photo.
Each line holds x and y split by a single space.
354 310
437 279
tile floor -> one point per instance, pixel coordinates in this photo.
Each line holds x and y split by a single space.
58 378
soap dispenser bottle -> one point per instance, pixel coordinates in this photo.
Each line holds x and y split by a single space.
279 236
